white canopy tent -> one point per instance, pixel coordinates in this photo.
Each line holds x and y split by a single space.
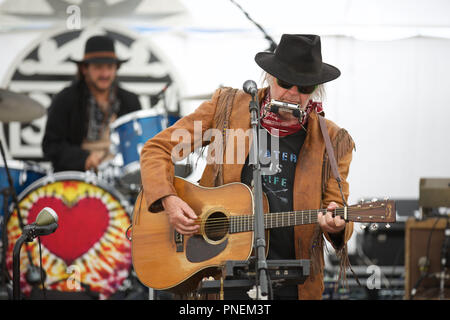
392 96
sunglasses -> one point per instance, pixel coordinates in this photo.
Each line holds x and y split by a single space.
301 89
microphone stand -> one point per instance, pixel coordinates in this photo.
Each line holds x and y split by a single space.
259 235
30 232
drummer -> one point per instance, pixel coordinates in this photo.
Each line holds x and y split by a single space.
77 130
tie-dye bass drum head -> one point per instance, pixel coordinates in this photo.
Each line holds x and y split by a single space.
89 247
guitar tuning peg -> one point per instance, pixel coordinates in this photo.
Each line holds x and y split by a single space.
374 199
363 227
386 198
361 201
388 226
374 227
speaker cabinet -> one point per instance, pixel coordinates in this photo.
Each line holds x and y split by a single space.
423 245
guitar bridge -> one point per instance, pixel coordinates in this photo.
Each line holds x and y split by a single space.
179 241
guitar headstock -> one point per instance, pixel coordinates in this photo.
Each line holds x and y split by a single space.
374 211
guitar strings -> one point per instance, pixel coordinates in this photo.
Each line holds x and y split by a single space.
284 215
247 221
243 223
222 223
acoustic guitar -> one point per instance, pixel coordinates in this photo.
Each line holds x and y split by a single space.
165 259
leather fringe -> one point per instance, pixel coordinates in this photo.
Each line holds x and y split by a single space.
342 144
316 252
221 119
342 254
317 263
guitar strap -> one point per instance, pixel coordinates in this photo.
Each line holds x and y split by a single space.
330 152
329 147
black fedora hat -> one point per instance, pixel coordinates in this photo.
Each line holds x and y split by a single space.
298 60
99 49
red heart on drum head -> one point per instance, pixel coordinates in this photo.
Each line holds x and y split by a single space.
80 227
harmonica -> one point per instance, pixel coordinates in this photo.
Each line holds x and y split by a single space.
276 105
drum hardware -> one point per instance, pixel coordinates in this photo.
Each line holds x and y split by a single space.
137 127
91 177
48 179
127 233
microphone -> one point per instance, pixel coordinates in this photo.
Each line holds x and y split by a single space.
250 87
46 216
46 223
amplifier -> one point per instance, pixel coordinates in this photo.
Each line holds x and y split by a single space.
384 247
434 192
423 244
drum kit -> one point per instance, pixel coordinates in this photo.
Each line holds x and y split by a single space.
90 252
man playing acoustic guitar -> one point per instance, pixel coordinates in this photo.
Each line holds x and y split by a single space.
302 178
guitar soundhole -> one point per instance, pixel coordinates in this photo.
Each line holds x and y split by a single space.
216 227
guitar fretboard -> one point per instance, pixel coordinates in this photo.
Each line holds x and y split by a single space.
275 220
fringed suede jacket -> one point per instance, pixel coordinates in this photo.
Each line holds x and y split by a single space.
314 185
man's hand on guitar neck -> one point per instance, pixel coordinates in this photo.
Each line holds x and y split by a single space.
328 223
181 216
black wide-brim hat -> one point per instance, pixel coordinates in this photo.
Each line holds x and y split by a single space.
100 49
298 60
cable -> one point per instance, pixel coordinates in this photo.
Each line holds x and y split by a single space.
42 270
444 259
426 272
273 45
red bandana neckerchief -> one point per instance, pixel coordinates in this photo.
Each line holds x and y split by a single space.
270 120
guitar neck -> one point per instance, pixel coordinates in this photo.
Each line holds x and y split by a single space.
277 220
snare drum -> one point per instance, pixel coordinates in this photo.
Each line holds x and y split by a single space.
129 134
22 175
89 247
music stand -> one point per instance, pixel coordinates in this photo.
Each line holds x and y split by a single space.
239 275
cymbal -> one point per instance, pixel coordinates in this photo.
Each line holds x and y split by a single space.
19 107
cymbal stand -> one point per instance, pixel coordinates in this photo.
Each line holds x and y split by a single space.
9 192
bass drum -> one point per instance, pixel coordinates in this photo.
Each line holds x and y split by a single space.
89 251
